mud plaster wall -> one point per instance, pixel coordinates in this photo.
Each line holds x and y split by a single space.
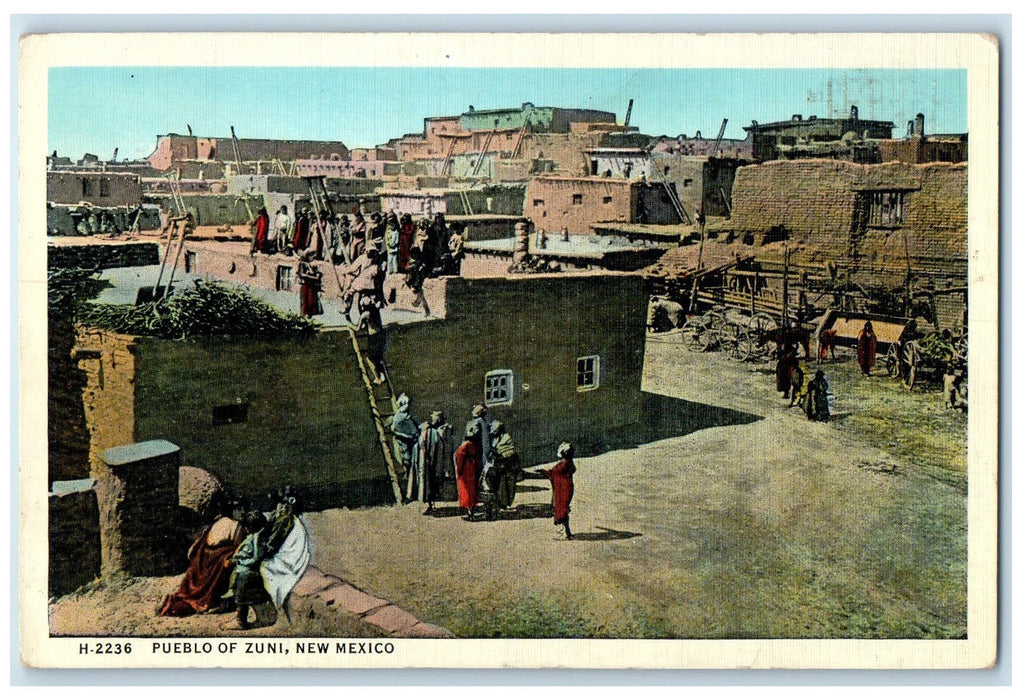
537 328
308 422
109 394
551 202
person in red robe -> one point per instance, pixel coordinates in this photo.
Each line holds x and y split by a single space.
303 233
310 281
406 239
209 570
867 348
562 483
468 463
262 228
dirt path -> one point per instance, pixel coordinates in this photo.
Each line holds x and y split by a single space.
776 527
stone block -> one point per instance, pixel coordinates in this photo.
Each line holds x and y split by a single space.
428 631
351 599
314 581
393 619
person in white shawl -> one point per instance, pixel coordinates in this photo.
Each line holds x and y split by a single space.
289 553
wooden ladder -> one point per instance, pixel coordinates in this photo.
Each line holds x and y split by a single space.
379 417
447 158
486 149
465 203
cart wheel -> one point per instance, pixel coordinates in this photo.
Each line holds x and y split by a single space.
740 347
694 336
911 362
910 376
891 360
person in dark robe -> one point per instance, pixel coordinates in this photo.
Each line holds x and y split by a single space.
418 267
310 281
402 426
818 398
260 240
787 360
371 323
562 483
867 348
248 589
358 235
303 234
406 237
434 436
209 570
468 463
501 472
799 384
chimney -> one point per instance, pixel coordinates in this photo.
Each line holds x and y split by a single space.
910 130
919 125
854 116
796 117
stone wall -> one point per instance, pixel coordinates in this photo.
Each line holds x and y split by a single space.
103 256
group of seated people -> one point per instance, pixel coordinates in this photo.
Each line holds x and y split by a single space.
245 561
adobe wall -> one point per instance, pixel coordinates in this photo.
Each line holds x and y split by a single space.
568 151
307 425
210 209
816 202
551 203
69 187
537 327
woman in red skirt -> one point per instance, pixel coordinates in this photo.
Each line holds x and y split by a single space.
468 463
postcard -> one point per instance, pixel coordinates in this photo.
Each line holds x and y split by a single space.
508 350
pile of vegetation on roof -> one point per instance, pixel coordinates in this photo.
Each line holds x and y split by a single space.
205 310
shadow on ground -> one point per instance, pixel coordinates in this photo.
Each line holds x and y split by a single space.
606 534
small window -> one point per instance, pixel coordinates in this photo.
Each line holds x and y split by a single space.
285 278
608 200
104 188
230 414
886 209
587 373
687 182
189 261
538 202
86 187
499 387
576 199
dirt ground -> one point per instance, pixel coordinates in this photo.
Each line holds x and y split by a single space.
774 527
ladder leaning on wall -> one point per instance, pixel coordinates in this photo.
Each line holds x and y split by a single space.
377 394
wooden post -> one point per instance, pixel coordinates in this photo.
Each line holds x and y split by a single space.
784 288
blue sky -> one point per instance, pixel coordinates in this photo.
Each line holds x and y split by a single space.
96 109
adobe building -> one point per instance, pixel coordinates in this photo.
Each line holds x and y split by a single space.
554 202
850 138
564 369
919 147
703 183
506 199
883 219
101 189
173 148
684 145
